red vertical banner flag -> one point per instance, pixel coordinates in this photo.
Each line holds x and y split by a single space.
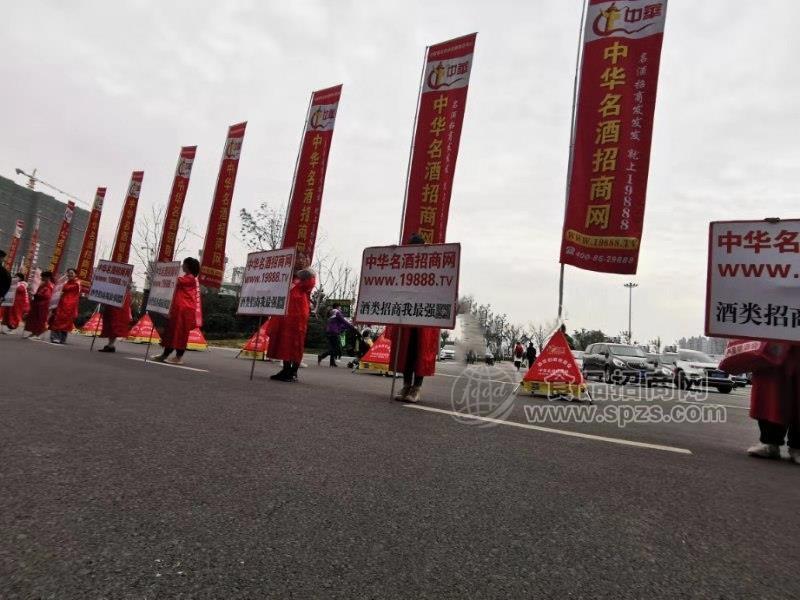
613 129
122 242
30 256
11 255
212 263
63 236
440 114
89 246
172 217
302 217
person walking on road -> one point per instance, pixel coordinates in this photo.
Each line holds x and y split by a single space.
182 314
287 334
530 354
519 354
63 319
13 315
36 323
336 326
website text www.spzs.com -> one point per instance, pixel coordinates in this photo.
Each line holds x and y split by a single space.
775 271
625 414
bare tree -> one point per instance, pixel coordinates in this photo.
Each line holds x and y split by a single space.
540 332
336 279
147 237
263 228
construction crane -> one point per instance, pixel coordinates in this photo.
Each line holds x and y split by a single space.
33 180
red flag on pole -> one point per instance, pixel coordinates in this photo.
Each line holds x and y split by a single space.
127 218
14 246
302 218
61 239
172 216
440 114
212 263
89 246
30 257
610 155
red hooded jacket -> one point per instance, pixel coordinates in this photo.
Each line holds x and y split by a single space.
287 335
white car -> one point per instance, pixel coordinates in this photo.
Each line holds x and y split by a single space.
692 368
447 353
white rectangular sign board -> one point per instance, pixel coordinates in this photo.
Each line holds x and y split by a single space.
754 280
409 285
58 286
162 286
267 278
110 283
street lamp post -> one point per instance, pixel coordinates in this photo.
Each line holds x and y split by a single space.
630 285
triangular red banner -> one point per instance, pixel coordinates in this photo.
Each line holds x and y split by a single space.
377 357
555 364
256 346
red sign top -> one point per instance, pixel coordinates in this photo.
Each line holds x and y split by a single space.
555 364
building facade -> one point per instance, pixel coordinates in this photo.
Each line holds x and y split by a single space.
19 202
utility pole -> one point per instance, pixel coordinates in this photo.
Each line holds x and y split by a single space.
630 285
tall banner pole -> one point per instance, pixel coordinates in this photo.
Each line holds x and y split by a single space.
305 204
149 341
438 121
30 256
413 140
61 239
395 358
89 246
212 262
578 59
258 341
14 245
96 327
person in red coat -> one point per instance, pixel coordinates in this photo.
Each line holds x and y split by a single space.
13 315
63 319
287 334
116 323
416 352
182 314
775 404
36 323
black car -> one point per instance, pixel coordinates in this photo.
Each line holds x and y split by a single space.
617 363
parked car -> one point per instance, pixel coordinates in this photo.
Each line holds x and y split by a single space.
743 379
578 356
662 374
617 363
692 368
447 353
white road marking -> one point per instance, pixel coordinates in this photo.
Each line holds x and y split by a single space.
153 362
491 380
586 436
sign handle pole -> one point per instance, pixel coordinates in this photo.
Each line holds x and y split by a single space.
96 327
149 339
258 341
394 360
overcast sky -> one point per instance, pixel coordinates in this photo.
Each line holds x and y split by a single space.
95 90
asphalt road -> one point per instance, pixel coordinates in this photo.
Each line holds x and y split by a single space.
120 479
